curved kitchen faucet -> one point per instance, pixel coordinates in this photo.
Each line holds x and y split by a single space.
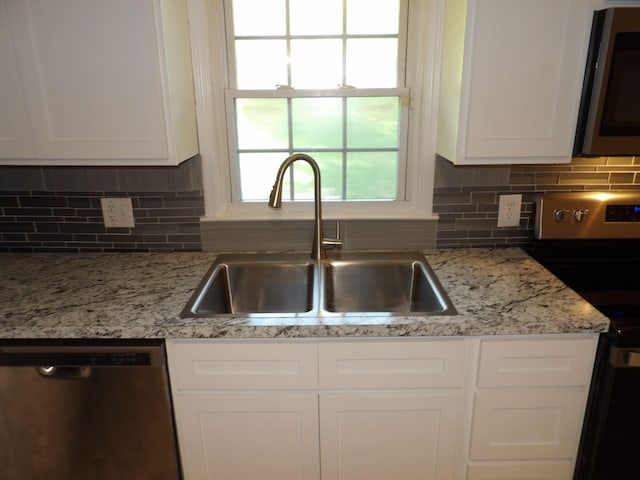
319 245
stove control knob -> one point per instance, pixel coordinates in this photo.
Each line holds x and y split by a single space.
580 214
560 215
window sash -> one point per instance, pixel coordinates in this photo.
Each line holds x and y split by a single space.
344 37
402 93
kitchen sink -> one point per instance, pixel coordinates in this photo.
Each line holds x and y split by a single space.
397 283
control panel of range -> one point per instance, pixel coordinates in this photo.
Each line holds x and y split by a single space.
588 215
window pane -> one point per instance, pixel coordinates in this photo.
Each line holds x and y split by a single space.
261 64
330 164
332 174
316 63
262 123
372 122
257 174
368 70
317 123
314 17
259 17
373 16
372 176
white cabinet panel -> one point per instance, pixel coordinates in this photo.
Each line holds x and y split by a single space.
408 364
522 471
511 89
536 362
248 436
15 134
528 423
202 365
400 436
103 82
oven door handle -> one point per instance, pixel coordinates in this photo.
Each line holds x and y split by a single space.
624 357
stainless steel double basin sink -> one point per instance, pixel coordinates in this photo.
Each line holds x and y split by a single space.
397 283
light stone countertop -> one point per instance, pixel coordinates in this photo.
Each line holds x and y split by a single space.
140 295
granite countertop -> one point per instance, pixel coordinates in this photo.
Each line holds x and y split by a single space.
140 295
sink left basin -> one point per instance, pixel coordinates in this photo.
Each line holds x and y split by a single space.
243 284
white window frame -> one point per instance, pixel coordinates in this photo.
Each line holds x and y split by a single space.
207 25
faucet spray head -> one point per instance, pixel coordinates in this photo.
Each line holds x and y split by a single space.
275 198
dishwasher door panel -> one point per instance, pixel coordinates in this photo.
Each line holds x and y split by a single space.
86 423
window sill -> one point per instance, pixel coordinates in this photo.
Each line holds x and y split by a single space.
330 211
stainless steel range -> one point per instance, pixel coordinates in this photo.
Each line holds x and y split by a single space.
591 241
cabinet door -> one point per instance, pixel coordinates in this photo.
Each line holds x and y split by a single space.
15 135
248 436
382 436
510 90
527 423
104 81
527 67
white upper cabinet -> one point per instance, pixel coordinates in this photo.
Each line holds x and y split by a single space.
511 79
15 137
93 82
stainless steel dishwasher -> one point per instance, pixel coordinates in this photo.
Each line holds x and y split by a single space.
85 410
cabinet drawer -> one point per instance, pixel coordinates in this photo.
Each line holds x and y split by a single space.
522 471
527 423
242 366
536 362
404 364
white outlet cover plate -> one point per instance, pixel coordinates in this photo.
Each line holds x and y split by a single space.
509 207
117 212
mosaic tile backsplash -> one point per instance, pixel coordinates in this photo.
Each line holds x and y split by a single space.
466 198
72 221
58 208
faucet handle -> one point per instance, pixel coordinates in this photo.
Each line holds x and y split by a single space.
333 242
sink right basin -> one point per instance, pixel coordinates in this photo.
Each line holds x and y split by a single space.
389 282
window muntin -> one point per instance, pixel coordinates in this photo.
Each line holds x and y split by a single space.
357 135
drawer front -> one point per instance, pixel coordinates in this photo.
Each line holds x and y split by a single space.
537 362
522 471
256 365
527 423
402 364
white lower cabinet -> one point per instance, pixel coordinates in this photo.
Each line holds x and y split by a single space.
490 408
529 405
377 410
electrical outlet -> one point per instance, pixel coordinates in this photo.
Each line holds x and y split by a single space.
117 212
509 210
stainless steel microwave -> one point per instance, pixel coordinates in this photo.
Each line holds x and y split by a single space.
609 118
